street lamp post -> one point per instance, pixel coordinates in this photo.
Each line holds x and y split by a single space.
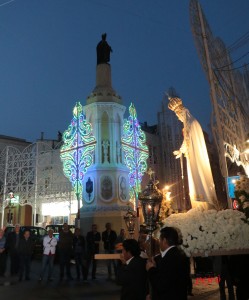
130 222
151 199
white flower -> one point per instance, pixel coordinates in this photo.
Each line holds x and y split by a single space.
204 231
242 198
245 204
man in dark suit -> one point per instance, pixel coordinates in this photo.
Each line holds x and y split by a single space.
132 273
239 265
168 277
109 237
12 244
26 248
92 238
65 247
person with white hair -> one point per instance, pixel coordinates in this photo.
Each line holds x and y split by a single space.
49 248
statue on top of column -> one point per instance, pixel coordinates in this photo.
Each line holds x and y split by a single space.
103 51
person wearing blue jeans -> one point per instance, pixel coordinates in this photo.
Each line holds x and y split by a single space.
49 248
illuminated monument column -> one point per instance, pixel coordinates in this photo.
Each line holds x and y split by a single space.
105 185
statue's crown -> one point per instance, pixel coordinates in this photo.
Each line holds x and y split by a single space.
175 103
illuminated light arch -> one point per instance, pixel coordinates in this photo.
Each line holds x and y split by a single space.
135 151
77 150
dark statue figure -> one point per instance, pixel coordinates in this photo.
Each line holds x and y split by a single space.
103 51
89 187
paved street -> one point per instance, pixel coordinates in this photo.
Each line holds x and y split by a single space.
101 288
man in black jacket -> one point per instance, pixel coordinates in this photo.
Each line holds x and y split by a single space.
109 237
65 246
80 254
92 239
12 245
169 276
132 273
26 248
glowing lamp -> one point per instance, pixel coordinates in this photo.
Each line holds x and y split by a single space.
151 199
130 221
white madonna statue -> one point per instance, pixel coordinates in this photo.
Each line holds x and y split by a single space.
201 185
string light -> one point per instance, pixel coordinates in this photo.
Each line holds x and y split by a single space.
135 151
78 149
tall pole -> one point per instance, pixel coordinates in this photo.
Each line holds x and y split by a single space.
77 152
5 185
70 207
183 183
77 172
135 152
219 143
36 183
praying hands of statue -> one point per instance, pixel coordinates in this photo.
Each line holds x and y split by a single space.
177 153
182 150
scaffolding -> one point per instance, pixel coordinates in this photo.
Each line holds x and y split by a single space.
34 174
229 90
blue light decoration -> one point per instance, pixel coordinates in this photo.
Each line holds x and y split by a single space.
135 151
77 151
231 182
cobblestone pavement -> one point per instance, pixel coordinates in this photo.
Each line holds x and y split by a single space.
101 288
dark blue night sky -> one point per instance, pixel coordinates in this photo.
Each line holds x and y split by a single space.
48 57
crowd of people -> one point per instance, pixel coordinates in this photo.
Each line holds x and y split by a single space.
19 247
166 275
137 274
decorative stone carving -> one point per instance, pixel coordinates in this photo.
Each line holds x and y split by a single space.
105 145
88 191
123 195
106 188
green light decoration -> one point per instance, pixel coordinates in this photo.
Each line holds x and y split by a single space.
77 150
135 151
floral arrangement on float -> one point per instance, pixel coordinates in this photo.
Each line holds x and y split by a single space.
205 232
165 210
242 196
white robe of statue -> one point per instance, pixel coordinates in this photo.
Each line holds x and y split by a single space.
200 178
